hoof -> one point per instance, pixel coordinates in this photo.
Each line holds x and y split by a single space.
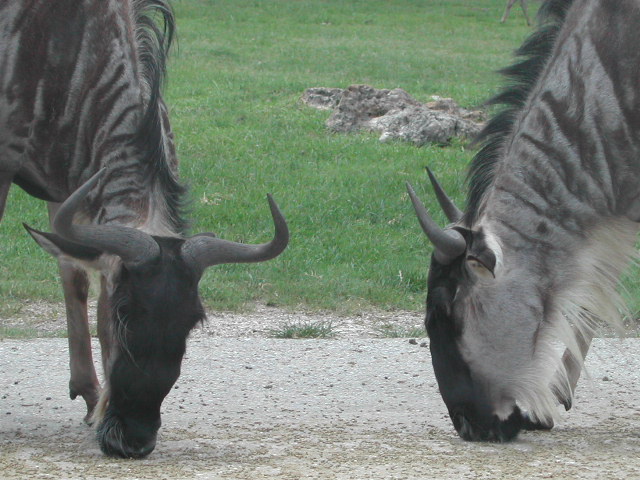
90 397
88 418
563 399
531 425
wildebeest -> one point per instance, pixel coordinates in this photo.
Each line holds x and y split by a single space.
84 127
521 279
507 9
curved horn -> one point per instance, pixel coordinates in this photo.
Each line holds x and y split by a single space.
202 251
131 245
452 212
448 244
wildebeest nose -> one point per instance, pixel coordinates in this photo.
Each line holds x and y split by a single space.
142 451
116 444
118 449
494 431
465 428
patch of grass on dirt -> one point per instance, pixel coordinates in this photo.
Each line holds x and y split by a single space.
21 333
389 330
305 330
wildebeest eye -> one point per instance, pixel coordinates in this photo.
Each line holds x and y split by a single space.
480 257
484 258
480 267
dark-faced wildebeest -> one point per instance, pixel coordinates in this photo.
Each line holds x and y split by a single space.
84 127
520 280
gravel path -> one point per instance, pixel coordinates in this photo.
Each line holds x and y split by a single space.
355 407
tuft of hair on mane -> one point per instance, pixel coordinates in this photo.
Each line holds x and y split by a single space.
154 38
591 306
155 30
521 77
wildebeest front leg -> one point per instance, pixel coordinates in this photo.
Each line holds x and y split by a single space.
75 285
573 367
84 381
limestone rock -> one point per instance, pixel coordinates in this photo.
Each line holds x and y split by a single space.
419 125
322 98
359 104
394 114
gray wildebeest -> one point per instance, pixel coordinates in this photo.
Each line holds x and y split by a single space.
521 279
84 127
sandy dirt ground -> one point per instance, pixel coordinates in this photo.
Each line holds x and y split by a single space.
355 407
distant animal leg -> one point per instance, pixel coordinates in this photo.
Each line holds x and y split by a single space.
75 285
507 10
573 367
523 4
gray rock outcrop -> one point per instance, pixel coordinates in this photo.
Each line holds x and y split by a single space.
394 114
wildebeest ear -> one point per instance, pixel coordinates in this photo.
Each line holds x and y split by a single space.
58 246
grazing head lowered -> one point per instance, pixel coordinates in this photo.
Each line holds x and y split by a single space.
84 127
521 279
154 304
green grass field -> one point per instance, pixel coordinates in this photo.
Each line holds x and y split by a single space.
235 80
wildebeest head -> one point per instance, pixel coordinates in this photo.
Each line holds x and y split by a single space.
484 316
154 304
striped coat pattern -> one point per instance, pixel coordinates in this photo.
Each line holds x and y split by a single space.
552 214
84 127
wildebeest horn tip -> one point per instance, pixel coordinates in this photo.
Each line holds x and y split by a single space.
448 244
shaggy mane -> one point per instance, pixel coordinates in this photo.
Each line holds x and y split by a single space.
155 28
521 77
